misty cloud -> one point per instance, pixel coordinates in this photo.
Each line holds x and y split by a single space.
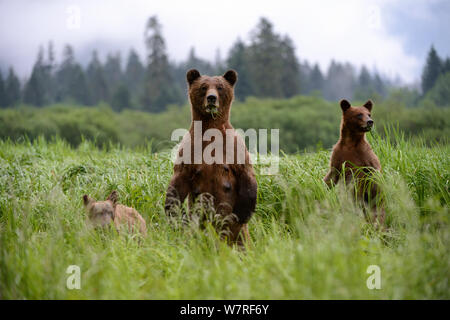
390 36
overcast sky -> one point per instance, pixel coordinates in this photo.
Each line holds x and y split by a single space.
390 36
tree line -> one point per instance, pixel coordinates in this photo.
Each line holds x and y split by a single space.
436 78
267 65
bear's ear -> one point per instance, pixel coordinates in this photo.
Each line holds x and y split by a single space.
344 105
192 75
113 197
368 105
231 77
87 200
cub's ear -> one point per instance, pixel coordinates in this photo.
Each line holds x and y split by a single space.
368 105
344 105
231 76
113 197
87 199
192 75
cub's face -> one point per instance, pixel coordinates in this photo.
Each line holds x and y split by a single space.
100 213
211 96
357 118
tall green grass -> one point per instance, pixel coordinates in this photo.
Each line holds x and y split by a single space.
307 242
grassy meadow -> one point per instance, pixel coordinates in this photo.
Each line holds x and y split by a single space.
307 242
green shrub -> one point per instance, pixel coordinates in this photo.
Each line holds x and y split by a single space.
305 122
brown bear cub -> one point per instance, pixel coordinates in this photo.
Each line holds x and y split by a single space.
231 180
102 213
353 154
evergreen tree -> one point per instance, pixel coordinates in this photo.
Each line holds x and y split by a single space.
51 55
219 65
113 71
440 93
365 80
348 80
159 87
364 89
192 62
274 68
121 98
96 80
305 74
64 73
290 79
265 61
12 86
431 71
50 69
72 83
379 86
36 92
80 90
238 60
316 79
3 98
203 66
446 66
340 81
134 73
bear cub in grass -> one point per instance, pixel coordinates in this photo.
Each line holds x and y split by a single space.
354 153
230 181
103 213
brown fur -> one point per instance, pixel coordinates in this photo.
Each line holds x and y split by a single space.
233 186
102 213
352 151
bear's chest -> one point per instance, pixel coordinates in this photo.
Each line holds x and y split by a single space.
215 179
355 157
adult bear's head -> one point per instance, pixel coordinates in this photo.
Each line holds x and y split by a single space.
211 97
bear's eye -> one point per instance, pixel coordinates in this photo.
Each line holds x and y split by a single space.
220 88
369 115
203 88
360 116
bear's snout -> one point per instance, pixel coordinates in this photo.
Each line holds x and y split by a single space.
211 99
368 126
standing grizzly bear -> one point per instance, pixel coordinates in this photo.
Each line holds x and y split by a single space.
353 154
227 174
